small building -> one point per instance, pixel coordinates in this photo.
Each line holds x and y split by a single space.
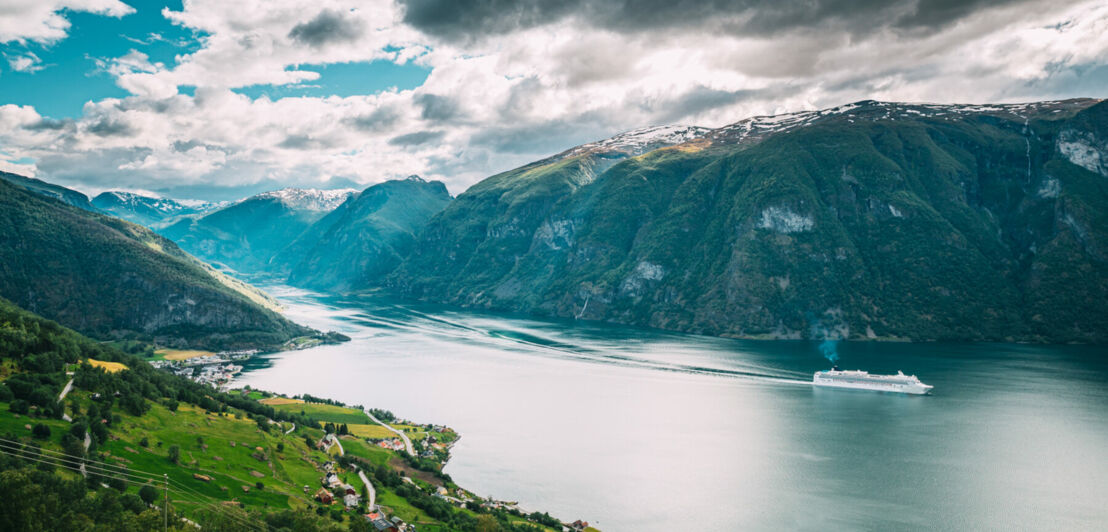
350 500
324 496
579 525
381 524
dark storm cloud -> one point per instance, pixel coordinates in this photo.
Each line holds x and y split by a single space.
379 120
461 20
49 124
417 138
302 142
435 107
107 127
327 27
701 99
544 138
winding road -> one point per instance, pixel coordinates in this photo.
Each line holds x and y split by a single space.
407 442
369 488
65 391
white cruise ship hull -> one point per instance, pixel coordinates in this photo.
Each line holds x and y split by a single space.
860 380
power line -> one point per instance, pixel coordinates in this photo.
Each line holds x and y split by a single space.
106 466
181 487
70 463
38 455
100 466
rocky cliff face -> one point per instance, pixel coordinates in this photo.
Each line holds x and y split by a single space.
873 220
109 278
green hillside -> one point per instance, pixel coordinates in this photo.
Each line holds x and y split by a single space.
365 238
58 192
224 460
874 220
113 279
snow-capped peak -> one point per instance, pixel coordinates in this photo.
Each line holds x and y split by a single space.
758 127
310 198
642 140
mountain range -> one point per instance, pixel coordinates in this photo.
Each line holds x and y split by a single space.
363 239
246 235
110 278
870 220
147 210
873 220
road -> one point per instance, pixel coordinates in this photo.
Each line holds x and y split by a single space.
339 443
65 391
292 429
407 442
369 488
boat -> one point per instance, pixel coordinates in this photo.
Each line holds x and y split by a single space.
862 380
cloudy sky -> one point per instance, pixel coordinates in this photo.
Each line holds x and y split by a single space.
216 99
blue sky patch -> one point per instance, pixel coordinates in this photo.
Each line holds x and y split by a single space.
346 79
68 75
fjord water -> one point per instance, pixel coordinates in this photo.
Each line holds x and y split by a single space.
634 429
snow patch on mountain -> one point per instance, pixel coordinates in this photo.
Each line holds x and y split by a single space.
639 141
309 198
759 127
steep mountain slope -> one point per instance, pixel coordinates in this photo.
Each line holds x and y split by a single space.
246 235
872 220
145 210
110 278
364 238
58 192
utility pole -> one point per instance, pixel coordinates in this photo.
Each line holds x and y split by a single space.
165 509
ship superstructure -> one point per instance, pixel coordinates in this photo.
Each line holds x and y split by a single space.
862 380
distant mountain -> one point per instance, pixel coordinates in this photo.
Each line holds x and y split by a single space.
58 192
247 234
364 238
145 210
871 220
109 278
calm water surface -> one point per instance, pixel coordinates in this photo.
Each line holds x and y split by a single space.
644 430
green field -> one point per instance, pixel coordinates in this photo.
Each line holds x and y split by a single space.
328 413
229 458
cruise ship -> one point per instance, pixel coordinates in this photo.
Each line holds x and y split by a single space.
861 380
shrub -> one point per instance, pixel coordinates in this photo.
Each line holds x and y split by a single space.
19 406
40 431
148 494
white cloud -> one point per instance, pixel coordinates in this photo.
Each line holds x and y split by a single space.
28 62
43 20
496 103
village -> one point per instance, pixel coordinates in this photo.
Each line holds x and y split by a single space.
344 479
216 370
